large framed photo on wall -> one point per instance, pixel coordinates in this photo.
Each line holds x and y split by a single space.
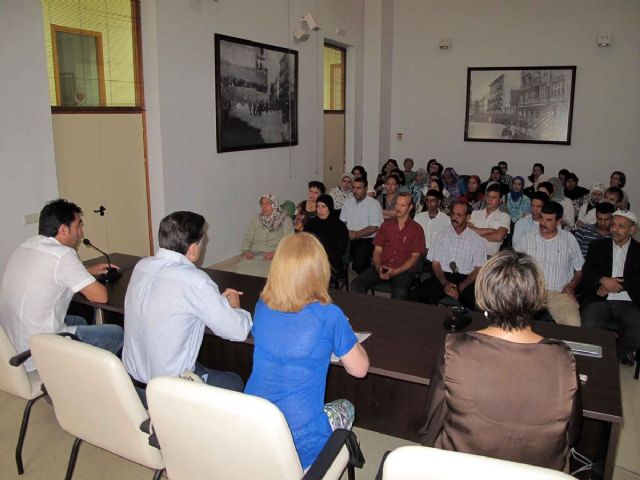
520 104
256 95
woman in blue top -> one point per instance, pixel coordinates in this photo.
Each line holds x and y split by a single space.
296 329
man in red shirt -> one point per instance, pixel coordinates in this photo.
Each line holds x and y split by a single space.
397 246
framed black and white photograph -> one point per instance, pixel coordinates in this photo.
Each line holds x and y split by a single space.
520 104
256 95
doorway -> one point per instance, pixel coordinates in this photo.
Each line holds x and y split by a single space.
334 61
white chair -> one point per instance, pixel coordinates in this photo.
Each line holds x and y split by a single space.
15 380
424 463
94 399
207 432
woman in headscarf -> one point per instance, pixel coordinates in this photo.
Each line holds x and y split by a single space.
418 184
266 229
518 203
331 231
454 185
342 191
596 194
474 195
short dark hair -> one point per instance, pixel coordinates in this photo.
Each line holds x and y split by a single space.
571 176
605 207
316 184
496 168
564 171
406 195
55 213
502 162
361 180
434 193
179 230
548 186
617 191
361 169
466 205
553 208
543 197
494 187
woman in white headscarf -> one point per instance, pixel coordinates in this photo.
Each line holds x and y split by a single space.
266 229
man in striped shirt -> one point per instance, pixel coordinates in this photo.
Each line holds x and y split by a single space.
559 257
588 233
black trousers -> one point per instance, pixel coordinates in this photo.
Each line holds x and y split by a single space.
621 316
431 291
361 252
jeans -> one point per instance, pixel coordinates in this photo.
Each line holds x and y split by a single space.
108 337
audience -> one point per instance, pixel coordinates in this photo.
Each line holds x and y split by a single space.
397 246
331 231
266 229
518 204
560 261
296 330
418 185
505 177
363 216
168 304
536 172
387 169
494 177
474 197
359 172
409 174
41 277
389 196
612 195
531 221
505 391
432 219
619 180
341 192
588 233
455 186
596 194
611 284
491 223
549 187
456 256
573 191
307 208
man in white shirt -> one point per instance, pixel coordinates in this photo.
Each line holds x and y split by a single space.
363 216
169 303
559 257
611 284
432 219
529 222
490 223
456 256
41 277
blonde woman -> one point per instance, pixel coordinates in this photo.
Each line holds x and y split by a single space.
504 391
296 329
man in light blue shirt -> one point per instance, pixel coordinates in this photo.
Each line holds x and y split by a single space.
168 304
529 222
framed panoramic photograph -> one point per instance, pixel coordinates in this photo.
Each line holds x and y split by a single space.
520 104
256 95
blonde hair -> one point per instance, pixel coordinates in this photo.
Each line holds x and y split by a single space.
299 274
510 289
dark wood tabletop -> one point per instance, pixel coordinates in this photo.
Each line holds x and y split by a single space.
407 336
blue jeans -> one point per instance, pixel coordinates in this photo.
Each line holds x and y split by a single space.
108 337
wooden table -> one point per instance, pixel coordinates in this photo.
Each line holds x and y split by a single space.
406 338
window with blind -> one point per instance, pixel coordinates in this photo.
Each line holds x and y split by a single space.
334 78
92 50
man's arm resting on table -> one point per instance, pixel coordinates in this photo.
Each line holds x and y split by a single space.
364 232
95 292
356 361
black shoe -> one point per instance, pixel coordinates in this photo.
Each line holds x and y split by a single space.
629 359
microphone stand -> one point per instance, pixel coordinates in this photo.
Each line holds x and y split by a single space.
112 273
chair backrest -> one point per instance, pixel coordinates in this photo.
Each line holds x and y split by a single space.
93 397
13 380
422 463
207 432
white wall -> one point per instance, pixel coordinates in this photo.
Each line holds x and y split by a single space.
27 165
429 85
186 170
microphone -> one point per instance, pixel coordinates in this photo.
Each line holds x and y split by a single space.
112 273
456 274
452 266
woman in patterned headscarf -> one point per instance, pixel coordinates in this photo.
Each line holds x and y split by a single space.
419 183
266 229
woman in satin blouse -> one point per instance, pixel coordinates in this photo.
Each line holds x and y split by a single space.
504 391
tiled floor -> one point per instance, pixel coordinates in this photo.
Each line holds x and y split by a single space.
47 447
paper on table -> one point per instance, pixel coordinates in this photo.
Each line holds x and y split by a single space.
362 336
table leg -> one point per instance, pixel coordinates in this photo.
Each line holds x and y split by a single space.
98 316
612 448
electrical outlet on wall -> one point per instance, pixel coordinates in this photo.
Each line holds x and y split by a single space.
31 218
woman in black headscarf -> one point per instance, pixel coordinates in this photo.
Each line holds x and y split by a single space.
330 230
